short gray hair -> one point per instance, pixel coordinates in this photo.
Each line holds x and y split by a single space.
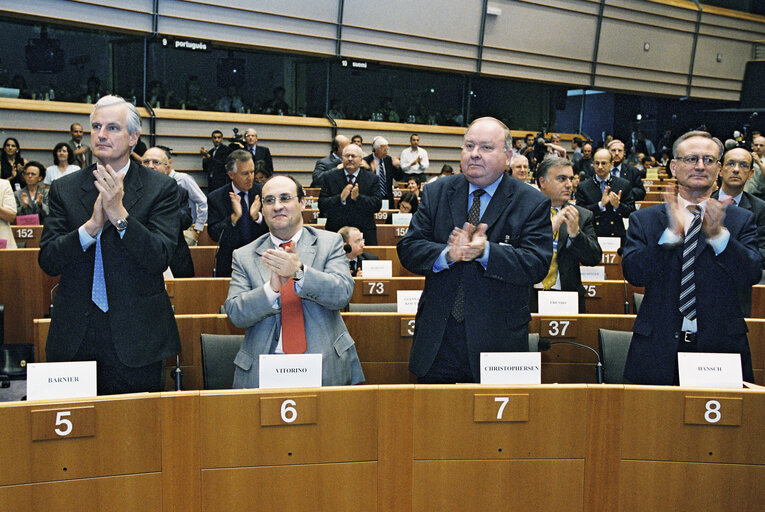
548 163
238 155
698 133
379 141
133 117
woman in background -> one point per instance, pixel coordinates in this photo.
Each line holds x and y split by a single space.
63 163
12 163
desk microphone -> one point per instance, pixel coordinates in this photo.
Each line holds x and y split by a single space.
217 250
178 373
620 251
545 345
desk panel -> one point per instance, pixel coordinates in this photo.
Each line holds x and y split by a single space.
345 429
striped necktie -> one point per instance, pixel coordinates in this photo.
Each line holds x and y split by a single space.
687 280
473 217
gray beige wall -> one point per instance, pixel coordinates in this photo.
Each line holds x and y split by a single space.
555 41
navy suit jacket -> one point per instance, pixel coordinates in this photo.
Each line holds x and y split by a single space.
140 314
608 222
391 173
359 213
652 358
219 226
520 249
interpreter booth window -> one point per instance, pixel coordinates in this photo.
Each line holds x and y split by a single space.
208 77
59 63
520 105
372 92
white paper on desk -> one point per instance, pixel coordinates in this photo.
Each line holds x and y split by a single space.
609 243
47 381
596 273
511 367
321 221
553 302
401 219
709 370
289 371
407 300
385 205
377 269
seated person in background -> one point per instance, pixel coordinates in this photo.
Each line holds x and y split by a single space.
33 199
63 163
230 102
446 170
353 244
574 240
413 186
287 289
408 203
7 213
261 173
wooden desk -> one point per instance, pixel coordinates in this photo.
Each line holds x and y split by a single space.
390 448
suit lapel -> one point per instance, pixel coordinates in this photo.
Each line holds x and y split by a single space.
260 248
457 197
133 184
504 199
562 233
89 192
307 248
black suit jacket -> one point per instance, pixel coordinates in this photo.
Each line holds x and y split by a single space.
608 222
228 236
215 168
583 250
757 207
391 173
323 165
632 174
182 265
652 358
356 264
140 315
519 235
359 213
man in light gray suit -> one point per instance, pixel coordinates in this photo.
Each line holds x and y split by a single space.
263 273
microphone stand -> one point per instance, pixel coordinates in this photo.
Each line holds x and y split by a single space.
545 344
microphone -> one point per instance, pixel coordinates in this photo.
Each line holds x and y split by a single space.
217 250
178 373
545 345
620 251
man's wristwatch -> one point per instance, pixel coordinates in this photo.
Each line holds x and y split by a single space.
121 224
298 275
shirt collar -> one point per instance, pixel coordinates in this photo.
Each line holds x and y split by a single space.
237 191
278 241
685 204
355 174
722 196
490 189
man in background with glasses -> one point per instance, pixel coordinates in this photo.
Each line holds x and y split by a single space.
694 255
287 290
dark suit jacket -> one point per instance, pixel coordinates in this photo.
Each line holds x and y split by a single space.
632 174
357 263
140 315
323 165
652 358
757 207
608 222
520 248
391 173
583 249
584 166
215 168
219 226
359 213
182 265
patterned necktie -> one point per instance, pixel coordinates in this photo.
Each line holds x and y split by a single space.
351 179
474 215
98 293
244 222
293 324
687 282
381 175
552 274
615 172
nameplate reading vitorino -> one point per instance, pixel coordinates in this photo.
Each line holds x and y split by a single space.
511 367
46 381
290 371
709 370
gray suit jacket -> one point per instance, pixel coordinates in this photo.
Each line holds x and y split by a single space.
327 287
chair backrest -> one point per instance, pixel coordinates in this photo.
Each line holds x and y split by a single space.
613 347
380 307
637 300
2 324
533 342
14 358
218 353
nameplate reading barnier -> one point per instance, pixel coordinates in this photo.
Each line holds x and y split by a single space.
290 371
511 368
709 370
47 381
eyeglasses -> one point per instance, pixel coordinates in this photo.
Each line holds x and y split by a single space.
153 162
694 159
283 198
731 164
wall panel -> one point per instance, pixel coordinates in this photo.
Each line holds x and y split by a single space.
133 16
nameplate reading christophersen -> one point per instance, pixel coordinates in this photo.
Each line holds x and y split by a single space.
511 368
709 370
46 381
290 371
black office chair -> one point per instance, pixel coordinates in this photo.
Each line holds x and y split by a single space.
218 353
613 347
637 300
380 307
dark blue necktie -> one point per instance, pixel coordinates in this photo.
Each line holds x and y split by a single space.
245 220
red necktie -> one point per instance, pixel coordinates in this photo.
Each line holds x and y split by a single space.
293 325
